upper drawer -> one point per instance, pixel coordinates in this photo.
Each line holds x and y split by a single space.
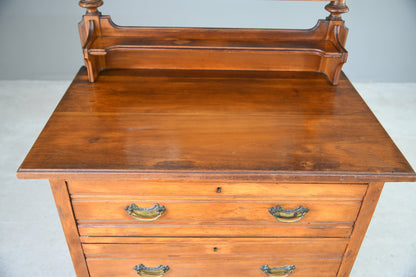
209 210
109 188
212 217
213 208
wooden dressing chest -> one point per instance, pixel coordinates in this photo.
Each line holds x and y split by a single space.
214 152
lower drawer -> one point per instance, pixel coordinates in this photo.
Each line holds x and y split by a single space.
213 256
214 267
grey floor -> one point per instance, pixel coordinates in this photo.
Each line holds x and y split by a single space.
31 239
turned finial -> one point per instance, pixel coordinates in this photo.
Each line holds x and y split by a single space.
336 8
91 6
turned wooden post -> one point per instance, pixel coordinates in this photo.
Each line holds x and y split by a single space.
91 6
336 8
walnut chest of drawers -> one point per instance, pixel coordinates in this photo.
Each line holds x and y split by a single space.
214 173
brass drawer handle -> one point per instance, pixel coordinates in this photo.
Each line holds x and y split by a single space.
145 214
278 271
145 271
284 215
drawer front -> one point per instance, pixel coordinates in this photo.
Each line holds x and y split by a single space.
215 257
210 210
213 267
214 208
210 217
128 188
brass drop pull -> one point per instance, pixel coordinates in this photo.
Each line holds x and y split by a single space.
145 271
278 271
284 215
145 214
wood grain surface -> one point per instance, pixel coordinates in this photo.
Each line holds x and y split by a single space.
128 189
193 210
139 247
204 217
170 121
363 221
319 49
214 267
66 215
214 256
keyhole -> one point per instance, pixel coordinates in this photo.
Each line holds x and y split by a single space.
215 249
219 190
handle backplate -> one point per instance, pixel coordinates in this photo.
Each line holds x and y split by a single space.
145 271
283 271
284 215
145 214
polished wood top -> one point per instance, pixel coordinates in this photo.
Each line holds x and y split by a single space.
292 126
